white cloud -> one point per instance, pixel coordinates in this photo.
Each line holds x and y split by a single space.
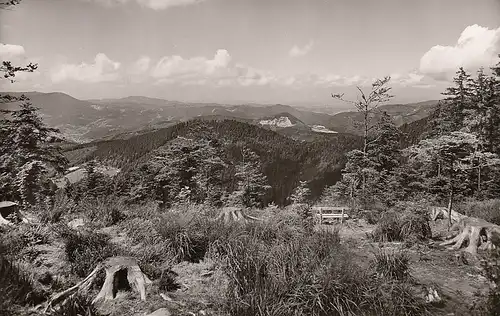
10 51
103 69
333 80
141 65
410 79
164 4
177 66
151 4
476 47
297 51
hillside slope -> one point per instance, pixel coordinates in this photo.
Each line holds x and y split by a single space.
285 161
87 120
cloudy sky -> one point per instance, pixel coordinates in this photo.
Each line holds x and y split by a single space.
266 51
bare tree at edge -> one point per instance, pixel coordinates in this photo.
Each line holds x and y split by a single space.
368 103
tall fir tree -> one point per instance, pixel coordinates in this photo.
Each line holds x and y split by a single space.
252 186
27 154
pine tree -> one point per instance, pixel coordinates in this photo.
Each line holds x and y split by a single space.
301 193
459 99
449 150
26 153
384 150
252 185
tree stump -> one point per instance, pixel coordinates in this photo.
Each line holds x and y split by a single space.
120 272
10 214
234 214
473 232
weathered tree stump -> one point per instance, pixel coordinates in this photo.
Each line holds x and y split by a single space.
473 232
9 213
117 269
234 214
120 272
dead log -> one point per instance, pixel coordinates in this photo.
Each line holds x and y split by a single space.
473 232
120 271
235 214
82 286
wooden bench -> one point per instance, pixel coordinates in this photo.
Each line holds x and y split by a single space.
328 214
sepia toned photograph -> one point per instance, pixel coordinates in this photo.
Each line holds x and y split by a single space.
249 157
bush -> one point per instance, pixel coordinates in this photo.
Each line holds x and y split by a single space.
392 265
84 250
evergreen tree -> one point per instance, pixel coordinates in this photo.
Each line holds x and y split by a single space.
27 154
252 187
301 193
449 151
384 150
451 113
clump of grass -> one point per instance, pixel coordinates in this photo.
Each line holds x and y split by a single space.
185 235
406 222
167 282
281 271
16 288
17 239
104 211
388 227
53 213
392 264
84 250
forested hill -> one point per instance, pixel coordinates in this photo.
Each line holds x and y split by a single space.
284 161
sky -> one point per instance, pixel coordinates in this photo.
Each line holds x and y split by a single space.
236 51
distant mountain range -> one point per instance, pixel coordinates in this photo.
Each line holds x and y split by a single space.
87 120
